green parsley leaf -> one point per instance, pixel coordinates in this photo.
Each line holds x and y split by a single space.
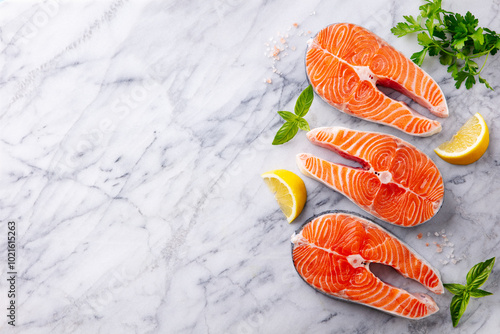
418 57
478 36
445 58
470 81
453 69
413 21
459 78
401 29
424 39
483 81
451 37
470 20
458 44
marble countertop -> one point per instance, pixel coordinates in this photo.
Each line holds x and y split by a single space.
132 138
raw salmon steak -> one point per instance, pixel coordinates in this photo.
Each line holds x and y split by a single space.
395 182
344 64
333 252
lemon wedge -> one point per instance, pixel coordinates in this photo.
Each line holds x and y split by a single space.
289 190
468 144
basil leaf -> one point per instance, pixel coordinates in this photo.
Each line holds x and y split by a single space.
288 116
304 102
286 133
479 273
478 293
456 289
458 306
303 125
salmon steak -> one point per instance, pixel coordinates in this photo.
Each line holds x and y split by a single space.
394 182
345 63
333 251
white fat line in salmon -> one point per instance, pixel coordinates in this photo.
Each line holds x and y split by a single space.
384 176
355 260
363 72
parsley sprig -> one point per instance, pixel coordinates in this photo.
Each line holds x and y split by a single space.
476 277
295 121
455 38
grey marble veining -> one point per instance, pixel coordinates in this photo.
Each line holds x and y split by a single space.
132 138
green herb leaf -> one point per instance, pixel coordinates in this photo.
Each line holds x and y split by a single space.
450 36
429 24
288 116
445 58
304 101
401 29
295 121
286 133
470 20
459 78
458 44
303 125
478 36
453 69
424 39
456 289
458 306
483 81
470 81
479 273
418 57
476 277
415 22
478 293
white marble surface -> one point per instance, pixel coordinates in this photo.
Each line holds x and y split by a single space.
132 138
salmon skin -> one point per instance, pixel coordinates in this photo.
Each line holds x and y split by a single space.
332 253
396 182
344 64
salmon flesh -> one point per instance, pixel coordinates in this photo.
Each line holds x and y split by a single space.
346 62
395 182
333 251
